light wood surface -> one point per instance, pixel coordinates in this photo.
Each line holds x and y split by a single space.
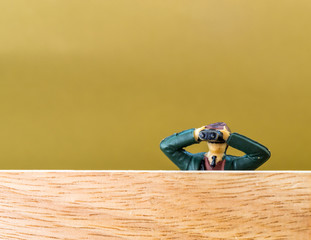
155 205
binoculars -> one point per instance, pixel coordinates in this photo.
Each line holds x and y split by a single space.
212 136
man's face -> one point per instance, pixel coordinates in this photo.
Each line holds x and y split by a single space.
219 147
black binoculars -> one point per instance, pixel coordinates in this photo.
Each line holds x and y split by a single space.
212 136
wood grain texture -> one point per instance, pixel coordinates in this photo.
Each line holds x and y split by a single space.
155 205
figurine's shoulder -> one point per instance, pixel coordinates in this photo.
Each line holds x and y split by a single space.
199 156
230 158
196 160
230 162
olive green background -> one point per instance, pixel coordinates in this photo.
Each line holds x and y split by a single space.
97 84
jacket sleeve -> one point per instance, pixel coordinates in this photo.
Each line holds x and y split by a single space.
173 145
256 154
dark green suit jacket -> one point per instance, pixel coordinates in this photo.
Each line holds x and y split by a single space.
173 147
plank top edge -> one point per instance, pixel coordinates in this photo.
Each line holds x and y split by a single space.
160 171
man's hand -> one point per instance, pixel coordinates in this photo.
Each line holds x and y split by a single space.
225 133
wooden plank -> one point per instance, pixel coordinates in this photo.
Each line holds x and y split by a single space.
155 205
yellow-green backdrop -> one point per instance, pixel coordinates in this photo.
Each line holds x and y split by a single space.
97 84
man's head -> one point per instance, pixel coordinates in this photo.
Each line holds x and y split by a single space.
215 133
218 126
216 148
219 148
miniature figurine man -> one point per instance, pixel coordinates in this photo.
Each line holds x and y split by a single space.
218 137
